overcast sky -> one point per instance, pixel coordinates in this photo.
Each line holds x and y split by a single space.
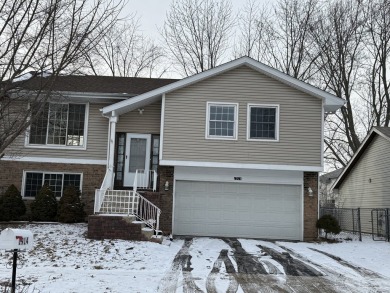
152 13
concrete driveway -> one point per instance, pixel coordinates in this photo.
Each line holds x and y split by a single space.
241 265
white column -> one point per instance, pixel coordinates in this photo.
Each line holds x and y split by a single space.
111 147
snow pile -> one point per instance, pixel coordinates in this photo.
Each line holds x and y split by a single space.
63 260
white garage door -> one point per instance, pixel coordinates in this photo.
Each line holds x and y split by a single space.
238 210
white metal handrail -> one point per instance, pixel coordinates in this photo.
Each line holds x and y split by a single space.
128 202
144 179
99 193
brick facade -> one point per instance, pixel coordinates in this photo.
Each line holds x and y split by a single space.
12 173
164 198
113 227
310 232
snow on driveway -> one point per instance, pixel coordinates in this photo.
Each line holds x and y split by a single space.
63 260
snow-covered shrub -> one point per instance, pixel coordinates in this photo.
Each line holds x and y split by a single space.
329 224
71 209
44 207
12 206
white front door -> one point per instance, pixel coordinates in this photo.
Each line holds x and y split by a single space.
137 158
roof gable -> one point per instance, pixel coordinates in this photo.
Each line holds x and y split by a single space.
331 102
382 131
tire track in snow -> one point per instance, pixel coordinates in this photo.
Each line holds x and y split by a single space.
180 264
210 282
251 274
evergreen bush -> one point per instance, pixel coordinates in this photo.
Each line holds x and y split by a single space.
329 224
12 206
71 209
44 207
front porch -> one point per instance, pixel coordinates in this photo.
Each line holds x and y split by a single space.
140 212
133 190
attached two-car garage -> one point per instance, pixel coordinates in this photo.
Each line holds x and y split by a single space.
235 209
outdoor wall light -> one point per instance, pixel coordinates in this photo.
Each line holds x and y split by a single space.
166 185
310 191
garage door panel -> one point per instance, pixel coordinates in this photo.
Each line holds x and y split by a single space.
238 210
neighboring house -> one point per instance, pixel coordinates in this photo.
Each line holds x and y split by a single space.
329 198
365 183
232 151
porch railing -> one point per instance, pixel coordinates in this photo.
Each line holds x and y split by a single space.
127 202
145 179
99 193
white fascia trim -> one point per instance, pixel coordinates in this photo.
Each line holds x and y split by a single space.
330 99
55 160
97 95
248 121
207 130
241 166
160 154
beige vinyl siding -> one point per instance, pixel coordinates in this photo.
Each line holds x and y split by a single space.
96 142
149 122
356 190
300 122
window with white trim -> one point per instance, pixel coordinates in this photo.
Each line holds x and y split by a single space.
222 120
33 182
263 122
60 125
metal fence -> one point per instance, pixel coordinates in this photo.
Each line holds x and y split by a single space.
362 220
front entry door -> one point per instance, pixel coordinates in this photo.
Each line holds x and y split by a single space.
137 157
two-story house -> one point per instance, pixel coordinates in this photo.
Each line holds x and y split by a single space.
232 151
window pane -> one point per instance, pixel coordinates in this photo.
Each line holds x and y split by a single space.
263 123
137 154
76 125
221 120
58 119
33 184
38 129
55 183
72 180
60 124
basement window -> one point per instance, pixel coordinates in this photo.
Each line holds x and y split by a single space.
33 182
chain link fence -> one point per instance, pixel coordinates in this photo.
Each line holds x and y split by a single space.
362 220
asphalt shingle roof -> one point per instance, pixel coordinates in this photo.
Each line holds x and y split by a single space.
100 84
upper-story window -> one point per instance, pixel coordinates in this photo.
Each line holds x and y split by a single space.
222 120
60 125
263 122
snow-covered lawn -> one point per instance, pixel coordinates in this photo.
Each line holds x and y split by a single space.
63 260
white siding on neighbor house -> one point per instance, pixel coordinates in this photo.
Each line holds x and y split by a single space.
147 122
374 165
299 132
96 142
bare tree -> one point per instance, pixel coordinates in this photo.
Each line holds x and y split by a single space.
377 94
196 33
43 36
280 37
254 25
124 51
339 35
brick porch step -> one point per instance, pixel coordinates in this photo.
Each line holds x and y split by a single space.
117 227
